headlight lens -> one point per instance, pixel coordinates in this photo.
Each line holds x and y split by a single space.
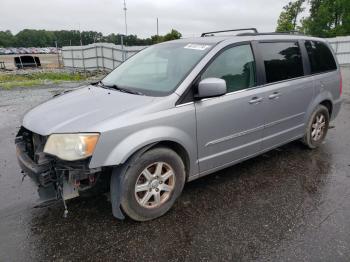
71 147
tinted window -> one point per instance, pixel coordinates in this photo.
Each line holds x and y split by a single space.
236 66
282 60
321 58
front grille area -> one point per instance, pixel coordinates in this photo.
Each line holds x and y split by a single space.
27 137
33 143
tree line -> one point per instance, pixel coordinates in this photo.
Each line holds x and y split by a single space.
45 38
327 18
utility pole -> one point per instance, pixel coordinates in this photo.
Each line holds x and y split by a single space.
81 42
157 27
58 55
126 26
122 45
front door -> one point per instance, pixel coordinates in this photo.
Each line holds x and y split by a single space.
229 127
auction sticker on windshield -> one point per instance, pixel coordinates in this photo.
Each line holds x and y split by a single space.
197 47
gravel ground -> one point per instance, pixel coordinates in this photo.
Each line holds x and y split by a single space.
289 204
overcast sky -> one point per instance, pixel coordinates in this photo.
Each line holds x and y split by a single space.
190 17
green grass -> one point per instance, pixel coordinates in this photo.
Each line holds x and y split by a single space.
8 81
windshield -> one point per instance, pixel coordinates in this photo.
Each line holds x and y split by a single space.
157 70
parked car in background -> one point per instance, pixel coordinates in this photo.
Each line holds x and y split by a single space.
35 50
13 51
177 111
8 51
28 50
53 50
21 50
46 50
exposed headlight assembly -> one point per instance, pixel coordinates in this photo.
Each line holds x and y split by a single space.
71 147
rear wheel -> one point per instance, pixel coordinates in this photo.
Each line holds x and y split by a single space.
317 127
152 184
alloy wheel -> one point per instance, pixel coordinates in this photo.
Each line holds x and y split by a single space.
154 185
318 127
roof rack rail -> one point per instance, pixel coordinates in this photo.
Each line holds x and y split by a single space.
272 33
232 30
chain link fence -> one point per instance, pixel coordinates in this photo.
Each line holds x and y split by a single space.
341 46
98 56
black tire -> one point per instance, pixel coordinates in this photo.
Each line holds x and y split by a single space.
308 139
129 202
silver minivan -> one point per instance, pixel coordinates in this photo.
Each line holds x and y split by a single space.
177 111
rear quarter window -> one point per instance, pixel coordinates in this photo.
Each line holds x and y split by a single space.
320 57
282 60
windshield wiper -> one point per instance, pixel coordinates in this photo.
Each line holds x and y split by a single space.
98 83
121 89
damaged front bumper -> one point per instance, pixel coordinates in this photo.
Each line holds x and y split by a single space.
55 178
41 174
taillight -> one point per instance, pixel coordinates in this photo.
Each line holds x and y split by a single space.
341 85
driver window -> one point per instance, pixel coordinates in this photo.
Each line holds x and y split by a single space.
236 66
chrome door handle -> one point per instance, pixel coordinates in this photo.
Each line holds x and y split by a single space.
274 95
255 100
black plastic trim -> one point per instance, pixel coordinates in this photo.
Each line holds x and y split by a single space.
28 165
305 57
272 33
231 30
260 68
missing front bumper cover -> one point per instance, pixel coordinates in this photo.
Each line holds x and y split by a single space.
56 179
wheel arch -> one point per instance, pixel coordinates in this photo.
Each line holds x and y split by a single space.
175 146
178 149
177 140
324 99
329 105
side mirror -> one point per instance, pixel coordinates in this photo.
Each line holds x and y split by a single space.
211 87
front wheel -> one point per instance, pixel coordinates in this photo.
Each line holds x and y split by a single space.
317 127
152 184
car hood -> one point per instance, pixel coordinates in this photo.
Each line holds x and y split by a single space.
81 110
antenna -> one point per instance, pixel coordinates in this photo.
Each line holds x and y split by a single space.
126 26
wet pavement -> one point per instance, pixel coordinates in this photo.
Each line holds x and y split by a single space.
290 204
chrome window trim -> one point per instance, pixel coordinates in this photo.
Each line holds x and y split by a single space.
232 93
185 104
